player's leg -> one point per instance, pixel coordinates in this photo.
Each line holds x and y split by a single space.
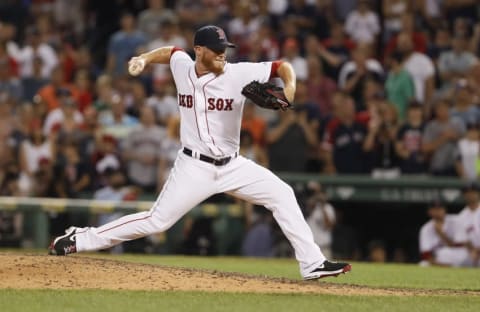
453 256
247 180
189 183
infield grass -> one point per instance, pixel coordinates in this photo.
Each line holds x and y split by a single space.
136 301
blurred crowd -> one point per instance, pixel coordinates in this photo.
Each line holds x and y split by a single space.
385 88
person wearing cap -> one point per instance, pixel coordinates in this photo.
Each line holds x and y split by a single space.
437 233
463 251
211 105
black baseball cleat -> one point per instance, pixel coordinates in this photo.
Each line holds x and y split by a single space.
328 268
64 245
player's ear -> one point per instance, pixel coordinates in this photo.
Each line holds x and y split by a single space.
198 50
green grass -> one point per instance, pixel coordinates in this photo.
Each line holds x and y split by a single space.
128 301
367 274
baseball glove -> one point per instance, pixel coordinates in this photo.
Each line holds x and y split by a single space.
266 95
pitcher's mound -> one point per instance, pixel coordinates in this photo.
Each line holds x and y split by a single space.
80 272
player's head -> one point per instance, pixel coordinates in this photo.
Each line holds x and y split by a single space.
471 193
210 44
437 210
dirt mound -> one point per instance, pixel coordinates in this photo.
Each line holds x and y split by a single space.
75 272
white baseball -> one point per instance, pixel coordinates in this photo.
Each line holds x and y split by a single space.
136 65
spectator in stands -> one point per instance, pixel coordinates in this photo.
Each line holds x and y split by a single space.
289 139
474 44
32 84
7 127
468 153
48 96
170 146
11 223
335 51
137 99
463 103
437 233
420 67
393 10
141 151
439 140
362 24
355 73
106 155
344 138
116 121
399 86
104 92
252 151
473 79
35 47
151 19
254 124
320 87
380 142
167 35
409 141
83 86
90 133
34 150
441 42
244 24
321 217
123 44
74 170
66 117
291 53
24 121
456 63
264 45
8 83
462 252
303 14
163 102
418 38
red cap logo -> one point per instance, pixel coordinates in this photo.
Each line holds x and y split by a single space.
221 34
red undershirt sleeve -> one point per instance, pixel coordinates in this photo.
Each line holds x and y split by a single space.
275 66
175 49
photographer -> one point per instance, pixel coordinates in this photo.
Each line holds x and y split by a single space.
292 136
321 218
380 141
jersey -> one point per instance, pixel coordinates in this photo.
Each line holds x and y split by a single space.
211 105
465 225
429 240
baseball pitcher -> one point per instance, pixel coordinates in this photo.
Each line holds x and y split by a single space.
211 94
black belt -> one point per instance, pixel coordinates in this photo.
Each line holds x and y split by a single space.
208 159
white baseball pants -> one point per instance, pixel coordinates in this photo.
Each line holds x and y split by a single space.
190 182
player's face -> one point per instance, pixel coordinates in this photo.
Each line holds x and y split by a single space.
212 61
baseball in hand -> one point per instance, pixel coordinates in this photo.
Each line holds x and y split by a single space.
136 65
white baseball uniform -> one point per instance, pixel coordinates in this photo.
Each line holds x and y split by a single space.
211 110
464 232
430 242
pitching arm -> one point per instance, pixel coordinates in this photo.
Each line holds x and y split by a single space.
287 74
160 56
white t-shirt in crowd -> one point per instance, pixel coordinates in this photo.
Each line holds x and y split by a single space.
421 68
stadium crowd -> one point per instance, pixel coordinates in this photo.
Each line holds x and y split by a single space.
385 88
